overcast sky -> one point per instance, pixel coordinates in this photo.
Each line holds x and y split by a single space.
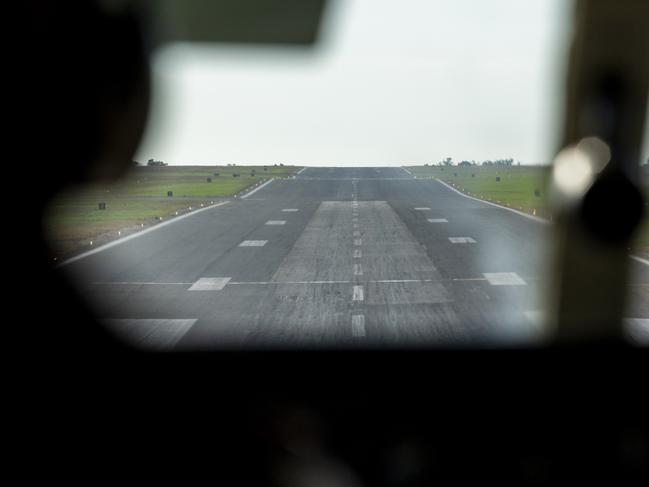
391 82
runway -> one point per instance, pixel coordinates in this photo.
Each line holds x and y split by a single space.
337 257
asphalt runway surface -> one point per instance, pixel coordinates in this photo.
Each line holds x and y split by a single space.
336 257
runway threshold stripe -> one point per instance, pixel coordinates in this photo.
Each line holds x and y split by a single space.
357 293
358 326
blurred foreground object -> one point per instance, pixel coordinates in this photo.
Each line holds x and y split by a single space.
239 21
595 179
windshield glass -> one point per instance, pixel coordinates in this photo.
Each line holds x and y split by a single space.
388 187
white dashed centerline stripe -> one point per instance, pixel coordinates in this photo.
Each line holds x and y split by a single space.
357 233
461 240
358 242
358 326
286 210
422 209
438 220
358 270
276 222
358 253
253 243
357 293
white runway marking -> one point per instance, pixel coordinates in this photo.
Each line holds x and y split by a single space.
461 240
422 209
535 316
438 220
357 233
640 259
358 326
355 219
153 334
355 225
279 283
638 330
253 243
139 234
275 222
358 270
357 294
358 253
504 279
358 242
286 210
210 284
531 217
257 188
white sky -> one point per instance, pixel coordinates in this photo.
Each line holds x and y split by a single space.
391 82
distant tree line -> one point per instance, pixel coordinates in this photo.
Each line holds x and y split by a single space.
152 162
447 162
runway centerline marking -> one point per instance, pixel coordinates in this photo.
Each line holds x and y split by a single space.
253 243
438 220
358 270
461 240
286 210
357 233
358 242
358 253
357 293
423 208
210 284
504 279
276 222
358 326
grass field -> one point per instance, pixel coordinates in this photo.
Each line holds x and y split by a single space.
516 188
75 223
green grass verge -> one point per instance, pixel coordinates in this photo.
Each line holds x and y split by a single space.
516 189
74 219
